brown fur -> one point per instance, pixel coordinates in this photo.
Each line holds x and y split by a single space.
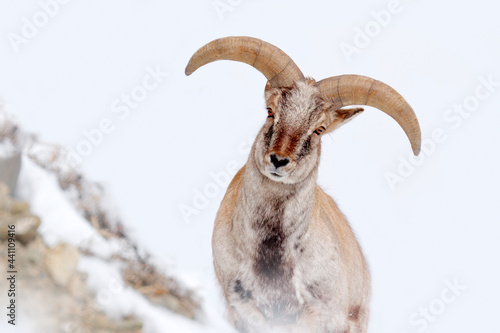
284 255
328 220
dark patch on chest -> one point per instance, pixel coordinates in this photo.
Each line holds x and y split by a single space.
244 293
270 254
270 251
354 313
273 271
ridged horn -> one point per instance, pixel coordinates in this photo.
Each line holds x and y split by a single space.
345 90
276 65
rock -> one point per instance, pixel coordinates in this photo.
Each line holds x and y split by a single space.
26 226
13 212
33 253
174 304
4 191
10 164
4 226
129 325
99 322
61 262
76 285
19 207
5 199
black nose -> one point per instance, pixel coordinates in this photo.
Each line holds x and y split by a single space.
279 161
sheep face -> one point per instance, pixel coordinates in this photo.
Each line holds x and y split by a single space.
288 146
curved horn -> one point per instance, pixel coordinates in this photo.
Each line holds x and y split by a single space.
345 90
276 65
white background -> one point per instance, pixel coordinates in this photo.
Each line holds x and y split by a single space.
440 224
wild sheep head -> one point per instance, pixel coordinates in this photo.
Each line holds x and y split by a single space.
301 110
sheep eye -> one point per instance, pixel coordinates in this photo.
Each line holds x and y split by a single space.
320 130
270 112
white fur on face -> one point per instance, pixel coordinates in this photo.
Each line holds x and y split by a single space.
298 111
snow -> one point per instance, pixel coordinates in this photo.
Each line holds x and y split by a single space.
7 149
119 300
61 221
440 224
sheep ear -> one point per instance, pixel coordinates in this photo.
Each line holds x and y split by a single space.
270 93
340 117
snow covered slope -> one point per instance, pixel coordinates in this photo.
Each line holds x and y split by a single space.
62 222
